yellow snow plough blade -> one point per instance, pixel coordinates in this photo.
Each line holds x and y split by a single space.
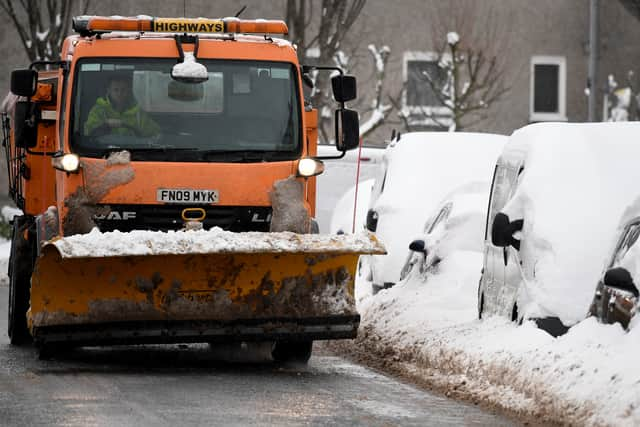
183 289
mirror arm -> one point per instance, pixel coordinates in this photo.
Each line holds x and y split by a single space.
515 227
62 64
179 46
331 157
307 68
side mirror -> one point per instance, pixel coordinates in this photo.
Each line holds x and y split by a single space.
418 246
26 124
620 278
347 130
502 231
344 88
24 82
372 220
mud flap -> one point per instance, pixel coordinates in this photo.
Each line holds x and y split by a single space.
238 294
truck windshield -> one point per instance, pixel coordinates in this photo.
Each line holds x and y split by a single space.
247 111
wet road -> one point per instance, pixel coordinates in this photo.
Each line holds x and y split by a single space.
195 385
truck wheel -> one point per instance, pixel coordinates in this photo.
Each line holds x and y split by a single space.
20 270
292 351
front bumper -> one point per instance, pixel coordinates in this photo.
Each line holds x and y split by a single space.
167 332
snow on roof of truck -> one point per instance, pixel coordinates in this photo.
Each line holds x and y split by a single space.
577 180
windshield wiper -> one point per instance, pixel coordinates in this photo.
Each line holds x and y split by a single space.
246 155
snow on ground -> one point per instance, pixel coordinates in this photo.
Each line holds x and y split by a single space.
588 376
5 249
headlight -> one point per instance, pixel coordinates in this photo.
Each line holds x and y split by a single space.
310 167
67 162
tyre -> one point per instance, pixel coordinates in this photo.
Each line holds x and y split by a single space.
292 351
20 269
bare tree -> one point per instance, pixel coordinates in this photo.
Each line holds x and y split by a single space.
42 25
379 110
633 6
323 27
467 74
473 82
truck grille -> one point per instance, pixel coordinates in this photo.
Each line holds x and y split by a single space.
167 217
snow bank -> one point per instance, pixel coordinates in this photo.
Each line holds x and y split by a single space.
8 212
587 377
216 240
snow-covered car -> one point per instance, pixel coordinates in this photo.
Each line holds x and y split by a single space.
417 171
616 297
558 192
457 224
340 175
343 219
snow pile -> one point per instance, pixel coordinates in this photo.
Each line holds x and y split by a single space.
5 250
453 38
190 69
216 240
8 212
586 377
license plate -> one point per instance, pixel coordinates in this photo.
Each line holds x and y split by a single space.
187 196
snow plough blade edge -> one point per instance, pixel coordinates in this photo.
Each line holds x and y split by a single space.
303 289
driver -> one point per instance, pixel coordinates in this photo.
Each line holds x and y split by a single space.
118 113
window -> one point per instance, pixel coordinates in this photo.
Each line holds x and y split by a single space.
627 242
246 111
548 89
505 179
419 102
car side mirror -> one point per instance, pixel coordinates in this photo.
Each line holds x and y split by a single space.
620 278
372 220
347 130
418 245
24 82
344 88
503 229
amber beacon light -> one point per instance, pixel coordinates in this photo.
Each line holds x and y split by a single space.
102 24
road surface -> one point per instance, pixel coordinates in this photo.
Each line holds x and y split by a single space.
196 385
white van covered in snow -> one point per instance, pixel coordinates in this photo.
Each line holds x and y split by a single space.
416 172
558 192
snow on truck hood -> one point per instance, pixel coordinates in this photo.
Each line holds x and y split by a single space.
577 181
96 244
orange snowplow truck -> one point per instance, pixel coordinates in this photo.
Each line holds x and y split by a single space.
166 172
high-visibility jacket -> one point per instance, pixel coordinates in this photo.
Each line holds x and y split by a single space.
136 122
